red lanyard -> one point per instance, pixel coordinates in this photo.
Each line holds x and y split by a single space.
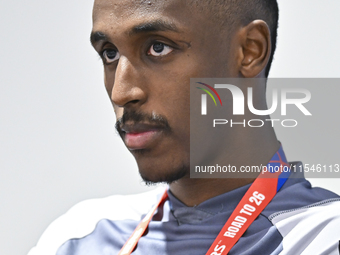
140 229
258 196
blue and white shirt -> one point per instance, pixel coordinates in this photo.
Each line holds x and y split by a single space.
299 220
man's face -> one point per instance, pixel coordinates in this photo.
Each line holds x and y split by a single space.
150 50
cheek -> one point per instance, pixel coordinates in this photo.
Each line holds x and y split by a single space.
109 78
176 102
171 88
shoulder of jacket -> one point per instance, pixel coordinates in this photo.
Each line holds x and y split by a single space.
83 217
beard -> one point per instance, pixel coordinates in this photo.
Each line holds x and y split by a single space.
166 178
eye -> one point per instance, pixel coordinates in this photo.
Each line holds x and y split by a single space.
110 56
159 49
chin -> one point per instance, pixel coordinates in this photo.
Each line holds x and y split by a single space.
152 176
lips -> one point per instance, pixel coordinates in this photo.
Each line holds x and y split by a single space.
140 136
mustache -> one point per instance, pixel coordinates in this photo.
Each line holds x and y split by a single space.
140 117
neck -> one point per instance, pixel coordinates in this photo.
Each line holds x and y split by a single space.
254 150
192 192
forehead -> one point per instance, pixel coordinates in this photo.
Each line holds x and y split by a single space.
130 6
122 12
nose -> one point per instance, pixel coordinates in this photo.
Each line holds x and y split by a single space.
127 89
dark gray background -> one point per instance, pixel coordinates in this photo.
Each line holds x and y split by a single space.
57 142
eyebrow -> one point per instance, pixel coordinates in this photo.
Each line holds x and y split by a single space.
97 37
153 26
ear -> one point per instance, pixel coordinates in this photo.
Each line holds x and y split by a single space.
256 48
